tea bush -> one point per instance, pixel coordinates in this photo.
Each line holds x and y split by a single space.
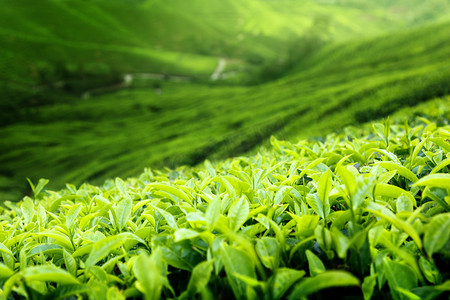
363 213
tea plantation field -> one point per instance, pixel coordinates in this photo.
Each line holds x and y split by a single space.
362 214
119 134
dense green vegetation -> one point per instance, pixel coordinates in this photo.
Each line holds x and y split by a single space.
85 44
363 214
269 168
119 134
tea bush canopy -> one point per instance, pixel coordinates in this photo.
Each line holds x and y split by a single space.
364 212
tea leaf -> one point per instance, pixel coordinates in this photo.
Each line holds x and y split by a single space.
323 281
213 213
237 261
170 190
435 180
199 278
238 213
103 247
368 286
48 273
392 191
5 272
123 212
385 213
268 250
72 215
399 276
400 170
437 233
316 266
185 234
71 264
149 278
284 278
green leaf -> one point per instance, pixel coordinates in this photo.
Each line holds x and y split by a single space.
199 278
437 233
148 274
433 193
317 205
114 294
323 281
27 208
324 238
399 276
283 279
169 218
368 286
362 188
60 238
305 224
72 215
348 178
185 234
440 166
65 291
5 250
435 180
38 188
281 194
324 186
179 255
430 271
268 250
238 213
404 203
123 212
384 213
210 168
71 264
400 170
45 249
42 215
237 261
23 261
405 294
98 273
5 272
212 213
392 191
48 273
174 191
316 266
105 246
341 242
432 292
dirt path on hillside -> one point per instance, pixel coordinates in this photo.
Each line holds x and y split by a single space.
219 69
128 79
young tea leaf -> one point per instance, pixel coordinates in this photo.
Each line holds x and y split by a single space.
323 281
238 213
437 233
316 266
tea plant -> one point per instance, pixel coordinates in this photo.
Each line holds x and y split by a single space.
365 214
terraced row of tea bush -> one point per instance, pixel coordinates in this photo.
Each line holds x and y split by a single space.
363 214
87 44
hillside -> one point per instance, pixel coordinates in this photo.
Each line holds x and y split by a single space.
124 132
88 44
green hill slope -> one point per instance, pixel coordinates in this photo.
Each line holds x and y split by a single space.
79 45
122 133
